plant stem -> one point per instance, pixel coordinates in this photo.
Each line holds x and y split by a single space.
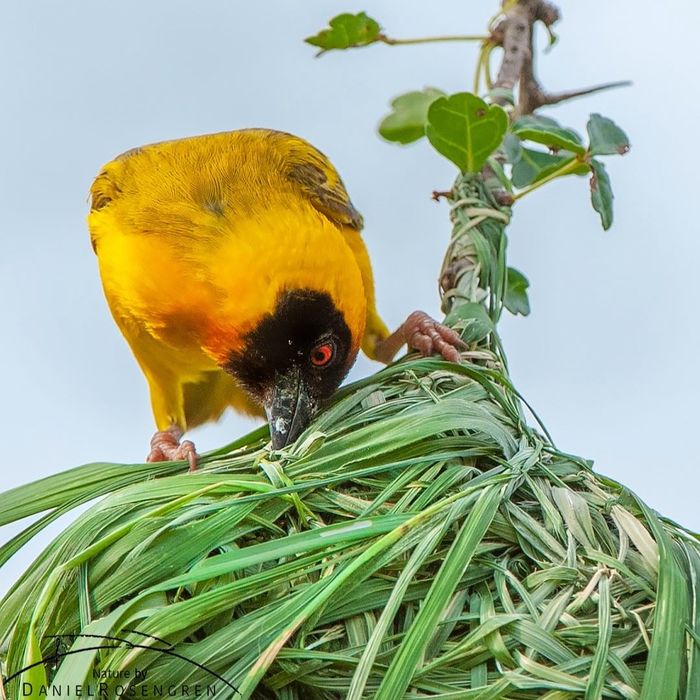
432 39
482 66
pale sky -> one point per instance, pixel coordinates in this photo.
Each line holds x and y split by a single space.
608 355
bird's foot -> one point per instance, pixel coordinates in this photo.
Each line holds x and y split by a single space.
166 447
425 334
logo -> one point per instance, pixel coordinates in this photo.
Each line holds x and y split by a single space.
108 683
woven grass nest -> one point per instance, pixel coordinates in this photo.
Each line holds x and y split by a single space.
419 540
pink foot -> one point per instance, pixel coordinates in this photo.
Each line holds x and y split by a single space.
429 337
166 447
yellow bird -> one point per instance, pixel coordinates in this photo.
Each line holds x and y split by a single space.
234 267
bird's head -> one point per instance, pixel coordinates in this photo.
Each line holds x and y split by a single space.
293 359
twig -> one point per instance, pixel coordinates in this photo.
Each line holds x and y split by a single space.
516 30
552 98
515 34
431 39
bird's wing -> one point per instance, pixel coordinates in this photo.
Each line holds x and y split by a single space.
375 328
102 192
318 181
213 162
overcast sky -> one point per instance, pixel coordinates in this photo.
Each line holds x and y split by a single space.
608 357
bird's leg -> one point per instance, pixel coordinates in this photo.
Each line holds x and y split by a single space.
423 333
166 447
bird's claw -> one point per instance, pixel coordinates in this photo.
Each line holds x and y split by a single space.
429 337
166 447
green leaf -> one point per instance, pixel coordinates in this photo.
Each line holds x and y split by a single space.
238 559
606 138
77 666
665 661
497 168
574 509
691 568
407 658
512 148
554 137
34 673
535 165
516 300
599 663
346 31
601 193
466 130
472 320
424 548
502 95
539 119
406 123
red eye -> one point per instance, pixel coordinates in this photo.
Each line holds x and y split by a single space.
321 355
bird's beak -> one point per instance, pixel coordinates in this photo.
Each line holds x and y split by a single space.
290 408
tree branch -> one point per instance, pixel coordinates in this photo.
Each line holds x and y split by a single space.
471 272
552 98
516 30
515 34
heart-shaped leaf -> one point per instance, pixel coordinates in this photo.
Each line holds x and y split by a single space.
515 299
535 165
346 31
463 128
606 137
601 193
406 123
555 137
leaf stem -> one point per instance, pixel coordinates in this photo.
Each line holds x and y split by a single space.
565 169
486 51
482 66
431 39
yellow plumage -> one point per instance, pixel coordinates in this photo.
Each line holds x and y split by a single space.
197 239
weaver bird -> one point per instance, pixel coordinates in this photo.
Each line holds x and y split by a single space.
234 267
